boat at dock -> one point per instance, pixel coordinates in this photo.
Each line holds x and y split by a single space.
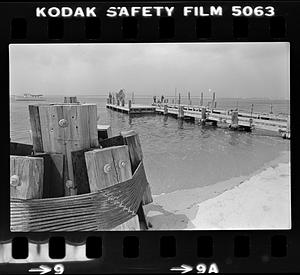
30 97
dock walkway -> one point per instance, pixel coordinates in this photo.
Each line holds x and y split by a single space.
133 109
230 118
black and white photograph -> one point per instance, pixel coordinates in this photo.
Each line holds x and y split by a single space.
150 136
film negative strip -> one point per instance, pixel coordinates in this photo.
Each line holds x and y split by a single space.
150 137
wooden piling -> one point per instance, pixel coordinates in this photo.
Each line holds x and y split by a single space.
64 129
203 115
234 119
107 167
201 100
70 99
180 112
165 109
213 100
129 106
26 177
104 132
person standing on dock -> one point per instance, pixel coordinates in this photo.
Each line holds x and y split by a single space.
154 99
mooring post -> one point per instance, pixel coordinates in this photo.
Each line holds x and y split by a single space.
180 112
201 100
107 167
64 128
234 119
203 115
213 101
165 109
129 106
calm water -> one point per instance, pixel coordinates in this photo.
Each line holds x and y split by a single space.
182 156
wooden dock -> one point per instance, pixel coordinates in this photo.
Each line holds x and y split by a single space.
233 119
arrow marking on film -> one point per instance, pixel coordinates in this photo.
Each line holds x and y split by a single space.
43 269
184 268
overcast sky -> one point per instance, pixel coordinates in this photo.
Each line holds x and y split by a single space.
243 70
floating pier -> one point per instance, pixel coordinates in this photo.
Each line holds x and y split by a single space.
76 176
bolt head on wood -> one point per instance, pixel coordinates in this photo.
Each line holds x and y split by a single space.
107 168
69 184
15 181
63 123
122 163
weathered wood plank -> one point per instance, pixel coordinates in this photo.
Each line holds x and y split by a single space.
80 172
107 167
92 109
100 169
53 180
36 132
20 149
131 139
114 141
26 177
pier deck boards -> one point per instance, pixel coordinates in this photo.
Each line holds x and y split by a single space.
134 109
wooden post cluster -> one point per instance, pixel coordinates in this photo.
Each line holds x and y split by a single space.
67 159
70 99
